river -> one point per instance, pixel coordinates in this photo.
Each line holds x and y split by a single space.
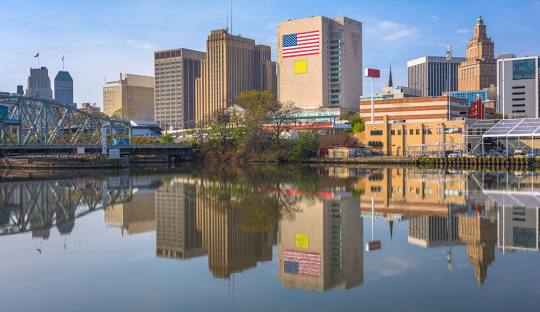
272 238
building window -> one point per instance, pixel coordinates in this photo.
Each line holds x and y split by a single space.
393 132
523 69
417 131
411 131
399 132
427 131
376 132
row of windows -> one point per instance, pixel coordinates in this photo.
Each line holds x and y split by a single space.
425 131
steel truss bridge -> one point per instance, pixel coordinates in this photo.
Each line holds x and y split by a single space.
37 206
36 122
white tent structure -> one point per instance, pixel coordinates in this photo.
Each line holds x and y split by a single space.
515 133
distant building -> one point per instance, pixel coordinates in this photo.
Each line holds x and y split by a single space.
63 88
39 84
479 70
429 74
90 108
175 75
130 98
233 64
414 109
20 90
518 81
320 62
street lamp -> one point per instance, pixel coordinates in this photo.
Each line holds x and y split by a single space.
449 55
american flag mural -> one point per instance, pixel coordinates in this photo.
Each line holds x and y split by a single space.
300 44
302 262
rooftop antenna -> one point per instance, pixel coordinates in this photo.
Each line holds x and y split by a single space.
231 18
62 63
227 28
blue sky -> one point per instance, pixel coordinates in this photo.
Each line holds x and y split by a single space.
100 38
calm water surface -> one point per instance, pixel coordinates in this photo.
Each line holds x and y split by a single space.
272 239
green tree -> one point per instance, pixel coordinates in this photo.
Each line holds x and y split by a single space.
166 139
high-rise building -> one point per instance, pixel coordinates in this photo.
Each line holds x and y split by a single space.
478 71
39 84
429 74
233 64
131 97
175 74
63 88
518 81
20 90
320 62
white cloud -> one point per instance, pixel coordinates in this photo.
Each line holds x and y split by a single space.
435 18
142 45
391 31
463 31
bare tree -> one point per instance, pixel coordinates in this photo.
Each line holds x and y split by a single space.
279 116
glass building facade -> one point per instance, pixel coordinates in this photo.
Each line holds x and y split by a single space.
470 96
523 69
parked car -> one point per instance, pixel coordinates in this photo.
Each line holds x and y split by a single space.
518 152
454 154
532 154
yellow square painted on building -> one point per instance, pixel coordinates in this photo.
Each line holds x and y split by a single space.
302 241
300 67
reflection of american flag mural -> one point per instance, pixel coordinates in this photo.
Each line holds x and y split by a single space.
302 262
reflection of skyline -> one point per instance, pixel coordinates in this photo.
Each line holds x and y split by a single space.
326 238
235 224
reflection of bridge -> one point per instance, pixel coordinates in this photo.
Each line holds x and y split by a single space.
39 205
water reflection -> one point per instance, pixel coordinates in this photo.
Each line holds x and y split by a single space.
315 216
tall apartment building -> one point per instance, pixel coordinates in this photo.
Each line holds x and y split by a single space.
39 84
429 74
131 97
63 88
175 74
320 62
478 71
518 81
233 64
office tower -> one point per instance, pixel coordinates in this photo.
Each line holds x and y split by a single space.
321 248
320 62
39 84
131 97
478 71
177 235
63 88
518 93
175 74
429 74
233 64
20 90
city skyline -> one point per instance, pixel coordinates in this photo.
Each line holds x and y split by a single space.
96 50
